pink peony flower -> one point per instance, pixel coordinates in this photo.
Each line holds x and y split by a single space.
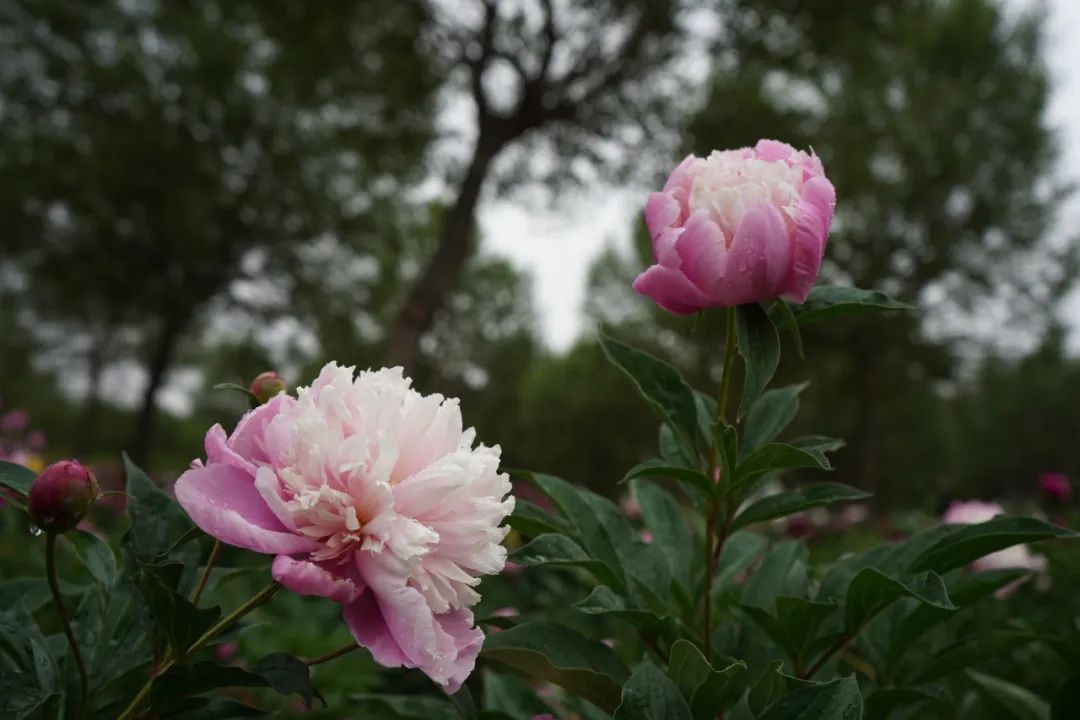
1056 486
1017 556
369 494
740 226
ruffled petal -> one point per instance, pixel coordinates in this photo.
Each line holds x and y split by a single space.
308 578
223 502
671 290
218 451
812 220
443 646
248 439
772 150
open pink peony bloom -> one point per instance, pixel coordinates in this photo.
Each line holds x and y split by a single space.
1017 556
740 226
369 494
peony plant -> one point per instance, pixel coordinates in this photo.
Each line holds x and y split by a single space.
694 598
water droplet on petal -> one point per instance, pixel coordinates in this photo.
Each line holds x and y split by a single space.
35 530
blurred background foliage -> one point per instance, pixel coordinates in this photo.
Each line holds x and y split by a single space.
191 193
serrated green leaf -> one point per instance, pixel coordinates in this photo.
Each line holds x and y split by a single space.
759 346
560 655
650 695
831 301
768 417
794 501
838 699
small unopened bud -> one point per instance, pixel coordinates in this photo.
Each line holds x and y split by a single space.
266 385
61 495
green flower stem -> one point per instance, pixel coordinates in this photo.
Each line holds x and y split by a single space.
206 572
332 655
716 536
260 598
54 586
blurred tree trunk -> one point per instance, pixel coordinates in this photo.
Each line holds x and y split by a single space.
440 277
161 359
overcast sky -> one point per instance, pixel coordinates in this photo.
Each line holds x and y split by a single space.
556 247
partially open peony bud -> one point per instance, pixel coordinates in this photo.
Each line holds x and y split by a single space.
61 495
740 226
266 385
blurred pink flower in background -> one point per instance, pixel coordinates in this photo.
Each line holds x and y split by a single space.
14 421
1056 486
647 537
739 226
1018 556
226 651
630 507
372 495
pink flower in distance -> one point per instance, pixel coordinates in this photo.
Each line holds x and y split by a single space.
1056 485
977 511
369 494
740 226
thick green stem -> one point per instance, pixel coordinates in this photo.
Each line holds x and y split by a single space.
715 536
54 586
261 598
206 572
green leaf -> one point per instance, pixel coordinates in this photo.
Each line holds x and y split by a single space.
793 501
671 450
650 695
606 535
16 477
95 555
211 709
776 457
603 601
838 699
551 549
560 655
768 417
530 520
818 446
963 591
286 675
20 694
399 707
281 672
181 621
829 301
772 685
883 702
1065 702
794 624
783 572
662 387
726 440
157 522
759 346
1019 703
966 543
708 691
787 319
740 549
871 591
511 695
662 469
670 528
969 651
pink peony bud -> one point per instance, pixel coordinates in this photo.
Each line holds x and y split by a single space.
740 226
61 495
1055 486
266 385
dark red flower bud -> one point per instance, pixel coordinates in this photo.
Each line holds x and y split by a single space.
61 495
266 385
